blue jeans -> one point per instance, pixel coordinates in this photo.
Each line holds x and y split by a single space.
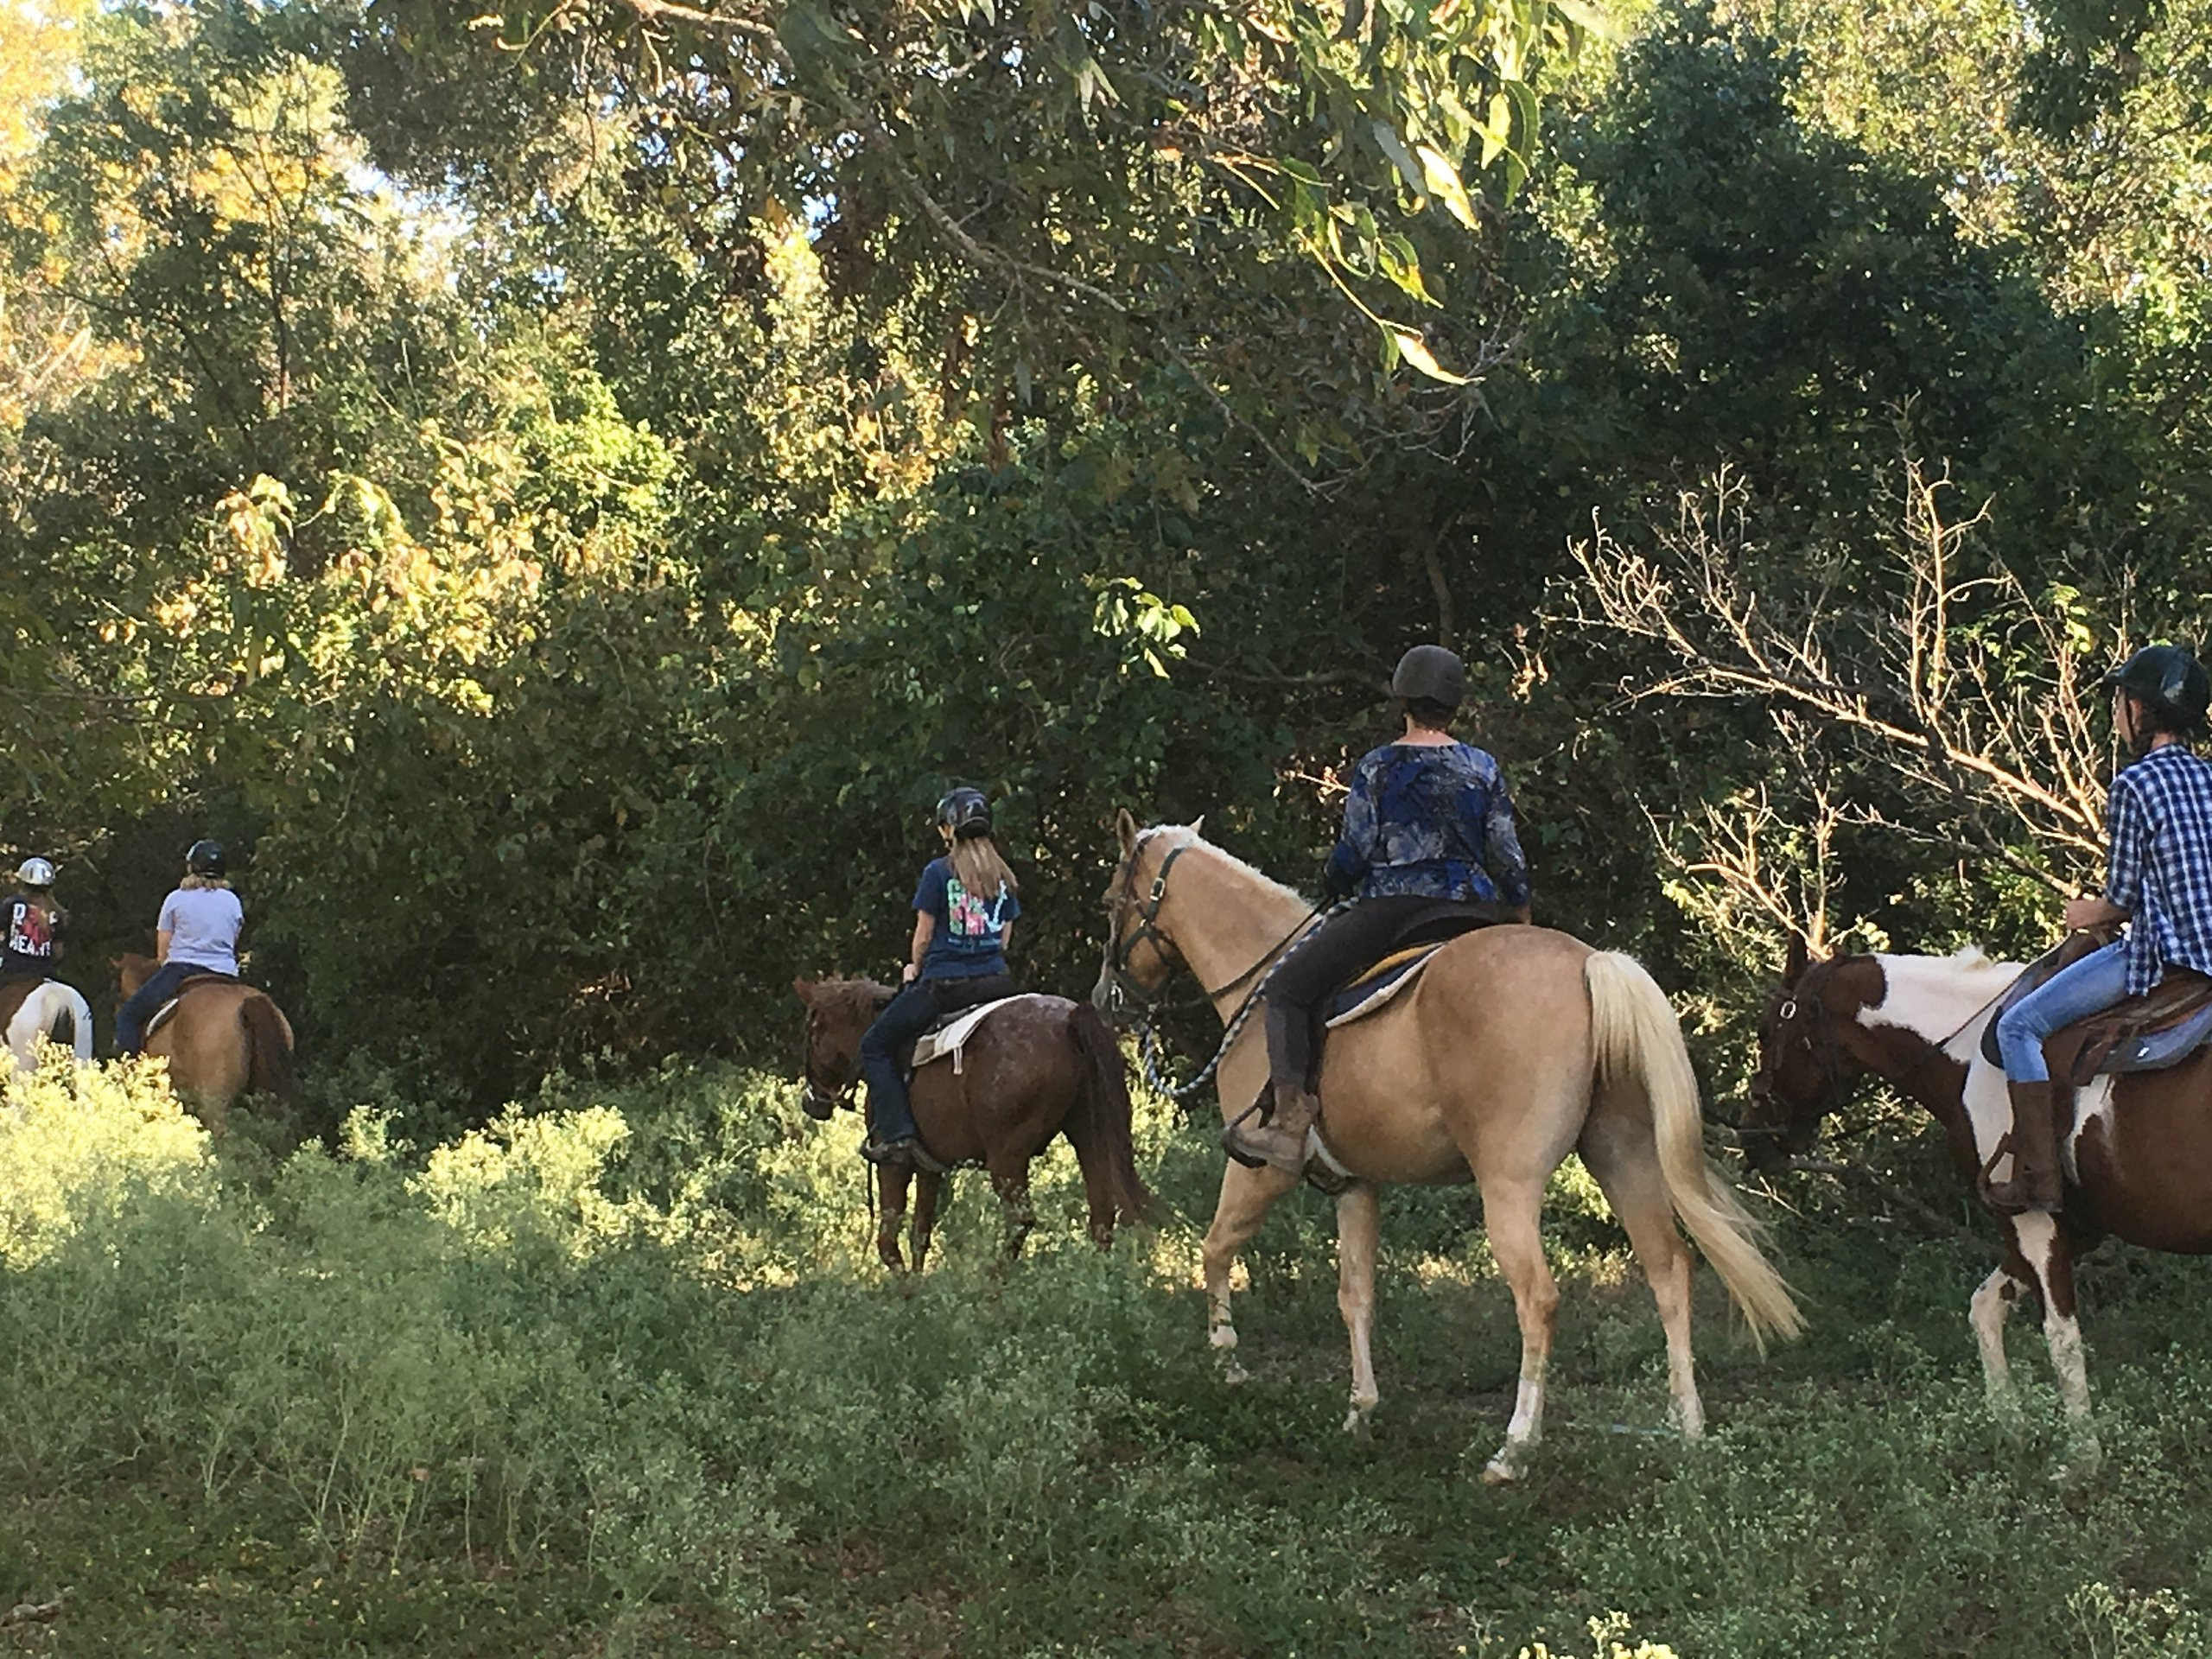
145 1002
883 1049
2090 986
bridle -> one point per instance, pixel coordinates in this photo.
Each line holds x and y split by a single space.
823 1103
1816 1036
1125 996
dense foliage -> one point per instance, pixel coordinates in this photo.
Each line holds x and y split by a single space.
564 487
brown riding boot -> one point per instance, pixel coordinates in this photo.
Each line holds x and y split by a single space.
2035 1185
1280 1141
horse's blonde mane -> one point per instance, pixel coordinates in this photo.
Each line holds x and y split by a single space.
1187 834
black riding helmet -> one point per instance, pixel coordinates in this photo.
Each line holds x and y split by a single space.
1430 674
965 812
205 858
2171 680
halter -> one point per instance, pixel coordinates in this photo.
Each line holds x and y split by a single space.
823 1103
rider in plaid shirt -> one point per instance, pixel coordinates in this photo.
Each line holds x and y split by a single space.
2158 883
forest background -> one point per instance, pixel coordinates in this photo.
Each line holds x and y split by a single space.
561 487
561 490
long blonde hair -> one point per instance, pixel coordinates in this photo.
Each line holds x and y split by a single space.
982 869
194 883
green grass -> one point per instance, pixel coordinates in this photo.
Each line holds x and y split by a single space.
620 1375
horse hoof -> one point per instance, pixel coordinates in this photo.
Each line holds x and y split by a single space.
1235 1374
1500 1470
1358 1425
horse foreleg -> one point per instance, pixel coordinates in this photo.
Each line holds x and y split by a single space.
1247 1195
928 1186
1358 1230
2052 1259
1991 1306
1012 1186
1512 1216
891 1210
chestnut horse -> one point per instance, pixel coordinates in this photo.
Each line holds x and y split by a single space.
2138 1164
36 1012
225 1039
1038 1067
1517 1045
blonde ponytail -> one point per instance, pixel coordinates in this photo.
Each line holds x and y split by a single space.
981 869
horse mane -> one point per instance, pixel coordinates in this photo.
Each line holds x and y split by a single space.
1187 834
857 998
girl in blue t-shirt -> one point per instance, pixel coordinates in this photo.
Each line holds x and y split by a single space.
964 909
196 938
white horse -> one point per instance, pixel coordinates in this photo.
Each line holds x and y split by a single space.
50 1009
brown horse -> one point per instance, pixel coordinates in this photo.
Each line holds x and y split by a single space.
1517 1045
225 1039
1038 1067
2138 1164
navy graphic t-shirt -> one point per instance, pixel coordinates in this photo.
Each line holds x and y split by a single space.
970 938
27 930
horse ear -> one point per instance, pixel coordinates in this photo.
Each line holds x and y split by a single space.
1199 824
806 989
1800 959
1126 827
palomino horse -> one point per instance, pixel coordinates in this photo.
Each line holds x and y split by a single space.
35 1012
2137 1164
1517 1045
1038 1067
225 1039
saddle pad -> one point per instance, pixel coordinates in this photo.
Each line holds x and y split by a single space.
1381 985
947 1041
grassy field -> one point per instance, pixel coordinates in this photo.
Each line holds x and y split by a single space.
622 1376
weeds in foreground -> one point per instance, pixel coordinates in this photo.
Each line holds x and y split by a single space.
617 1374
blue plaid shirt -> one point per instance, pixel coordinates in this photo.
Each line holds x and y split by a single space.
1434 820
2161 863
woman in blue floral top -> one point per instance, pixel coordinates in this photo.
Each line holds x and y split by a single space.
1428 850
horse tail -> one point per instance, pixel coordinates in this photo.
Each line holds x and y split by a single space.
71 1020
269 1041
1105 1100
1636 1038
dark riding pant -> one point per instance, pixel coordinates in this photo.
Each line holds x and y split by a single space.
1336 952
887 1042
145 1002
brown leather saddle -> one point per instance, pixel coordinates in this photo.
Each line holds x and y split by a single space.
2162 1027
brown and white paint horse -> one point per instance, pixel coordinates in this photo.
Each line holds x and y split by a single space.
36 1012
1517 1046
2137 1163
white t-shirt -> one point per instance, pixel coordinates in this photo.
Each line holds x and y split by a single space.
203 928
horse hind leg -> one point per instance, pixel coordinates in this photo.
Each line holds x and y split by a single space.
1247 1195
1512 1213
1358 1230
1991 1306
1011 1183
1622 1158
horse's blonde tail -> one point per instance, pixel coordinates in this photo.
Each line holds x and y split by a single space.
1636 1038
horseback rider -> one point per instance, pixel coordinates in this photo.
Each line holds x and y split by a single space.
197 937
1428 850
30 923
964 910
2157 882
